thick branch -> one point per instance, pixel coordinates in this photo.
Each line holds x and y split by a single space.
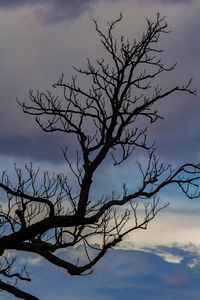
16 292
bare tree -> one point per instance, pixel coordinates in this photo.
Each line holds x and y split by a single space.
43 213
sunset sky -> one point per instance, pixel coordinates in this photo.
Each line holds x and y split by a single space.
40 40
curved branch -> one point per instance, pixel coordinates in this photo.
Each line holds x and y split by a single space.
16 292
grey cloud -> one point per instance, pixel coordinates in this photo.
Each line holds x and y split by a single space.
122 274
17 3
63 3
186 256
177 137
53 11
180 150
62 10
42 147
68 3
168 1
176 1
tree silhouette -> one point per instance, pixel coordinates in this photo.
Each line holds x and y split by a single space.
43 213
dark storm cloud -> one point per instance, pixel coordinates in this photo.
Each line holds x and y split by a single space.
61 3
52 11
66 3
61 10
168 1
57 10
17 3
177 136
175 1
43 147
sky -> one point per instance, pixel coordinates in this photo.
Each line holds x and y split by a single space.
40 40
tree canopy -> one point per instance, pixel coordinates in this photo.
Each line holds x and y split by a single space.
43 213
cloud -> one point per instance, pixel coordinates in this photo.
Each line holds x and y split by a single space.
166 229
17 3
170 1
172 258
41 147
53 11
31 260
120 275
162 262
188 254
34 55
57 11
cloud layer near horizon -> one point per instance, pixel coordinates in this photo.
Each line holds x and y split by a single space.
122 274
